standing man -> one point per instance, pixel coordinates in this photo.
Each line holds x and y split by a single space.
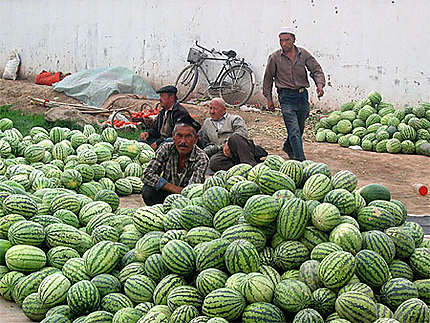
288 67
175 165
171 112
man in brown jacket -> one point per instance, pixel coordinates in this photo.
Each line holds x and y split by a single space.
289 67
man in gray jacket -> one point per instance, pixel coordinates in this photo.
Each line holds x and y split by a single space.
224 137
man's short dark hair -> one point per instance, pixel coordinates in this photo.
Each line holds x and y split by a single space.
183 124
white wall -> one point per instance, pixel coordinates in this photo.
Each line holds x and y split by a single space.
362 45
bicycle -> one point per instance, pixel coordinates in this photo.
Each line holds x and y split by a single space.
234 83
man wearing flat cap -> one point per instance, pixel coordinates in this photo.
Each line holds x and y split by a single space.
289 67
175 165
169 115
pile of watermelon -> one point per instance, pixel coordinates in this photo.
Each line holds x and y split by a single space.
284 241
82 161
377 126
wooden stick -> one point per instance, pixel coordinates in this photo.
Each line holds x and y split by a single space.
50 102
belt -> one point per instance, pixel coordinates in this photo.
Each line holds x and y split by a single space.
299 90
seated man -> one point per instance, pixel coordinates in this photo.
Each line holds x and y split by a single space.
224 138
175 165
169 115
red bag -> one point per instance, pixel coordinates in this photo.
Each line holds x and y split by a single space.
47 78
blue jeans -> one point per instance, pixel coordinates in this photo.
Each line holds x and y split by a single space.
295 110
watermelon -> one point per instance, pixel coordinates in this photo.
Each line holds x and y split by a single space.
25 258
380 243
326 216
336 269
290 254
106 284
292 295
308 315
316 187
139 288
210 279
241 256
420 262
224 302
356 307
260 312
396 291
411 311
324 300
179 257
261 210
373 192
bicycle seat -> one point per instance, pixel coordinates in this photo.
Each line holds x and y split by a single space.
229 53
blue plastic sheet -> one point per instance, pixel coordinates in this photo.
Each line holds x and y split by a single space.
93 87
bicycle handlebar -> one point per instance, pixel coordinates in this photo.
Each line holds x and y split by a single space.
212 51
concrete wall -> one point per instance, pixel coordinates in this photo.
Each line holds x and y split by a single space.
362 45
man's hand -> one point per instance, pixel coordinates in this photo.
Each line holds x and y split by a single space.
320 91
226 150
270 105
144 136
154 145
172 188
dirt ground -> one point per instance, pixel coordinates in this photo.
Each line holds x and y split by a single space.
397 172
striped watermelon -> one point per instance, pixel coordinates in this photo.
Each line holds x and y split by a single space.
308 273
215 198
294 170
371 268
155 268
59 234
271 181
308 315
356 307
165 286
292 219
342 199
381 243
255 172
256 287
347 236
322 250
211 255
413 310
25 258
241 256
33 308
184 313
83 297
260 312
400 269
58 256
404 243
110 135
274 162
336 269
344 179
326 217
194 216
53 289
101 258
179 257
210 279
224 302
106 284
247 232
290 255
139 288
148 219
324 300
375 218
396 291
201 234
184 295
26 233
240 192
8 282
113 302
312 237
74 269
420 262
131 269
423 287
261 210
20 204
415 230
226 217
292 295
123 187
316 187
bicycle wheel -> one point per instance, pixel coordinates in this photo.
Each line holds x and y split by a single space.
236 85
186 82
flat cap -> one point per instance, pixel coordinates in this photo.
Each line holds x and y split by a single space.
168 89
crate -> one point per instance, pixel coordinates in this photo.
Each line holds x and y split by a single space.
194 56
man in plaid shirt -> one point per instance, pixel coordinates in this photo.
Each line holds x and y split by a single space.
175 165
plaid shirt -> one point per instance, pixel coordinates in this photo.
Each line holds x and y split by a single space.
163 168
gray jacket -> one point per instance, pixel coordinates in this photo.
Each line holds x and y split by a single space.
210 135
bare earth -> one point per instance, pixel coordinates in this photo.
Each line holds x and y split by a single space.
397 172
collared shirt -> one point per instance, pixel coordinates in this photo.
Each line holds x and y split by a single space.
164 167
220 122
291 74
